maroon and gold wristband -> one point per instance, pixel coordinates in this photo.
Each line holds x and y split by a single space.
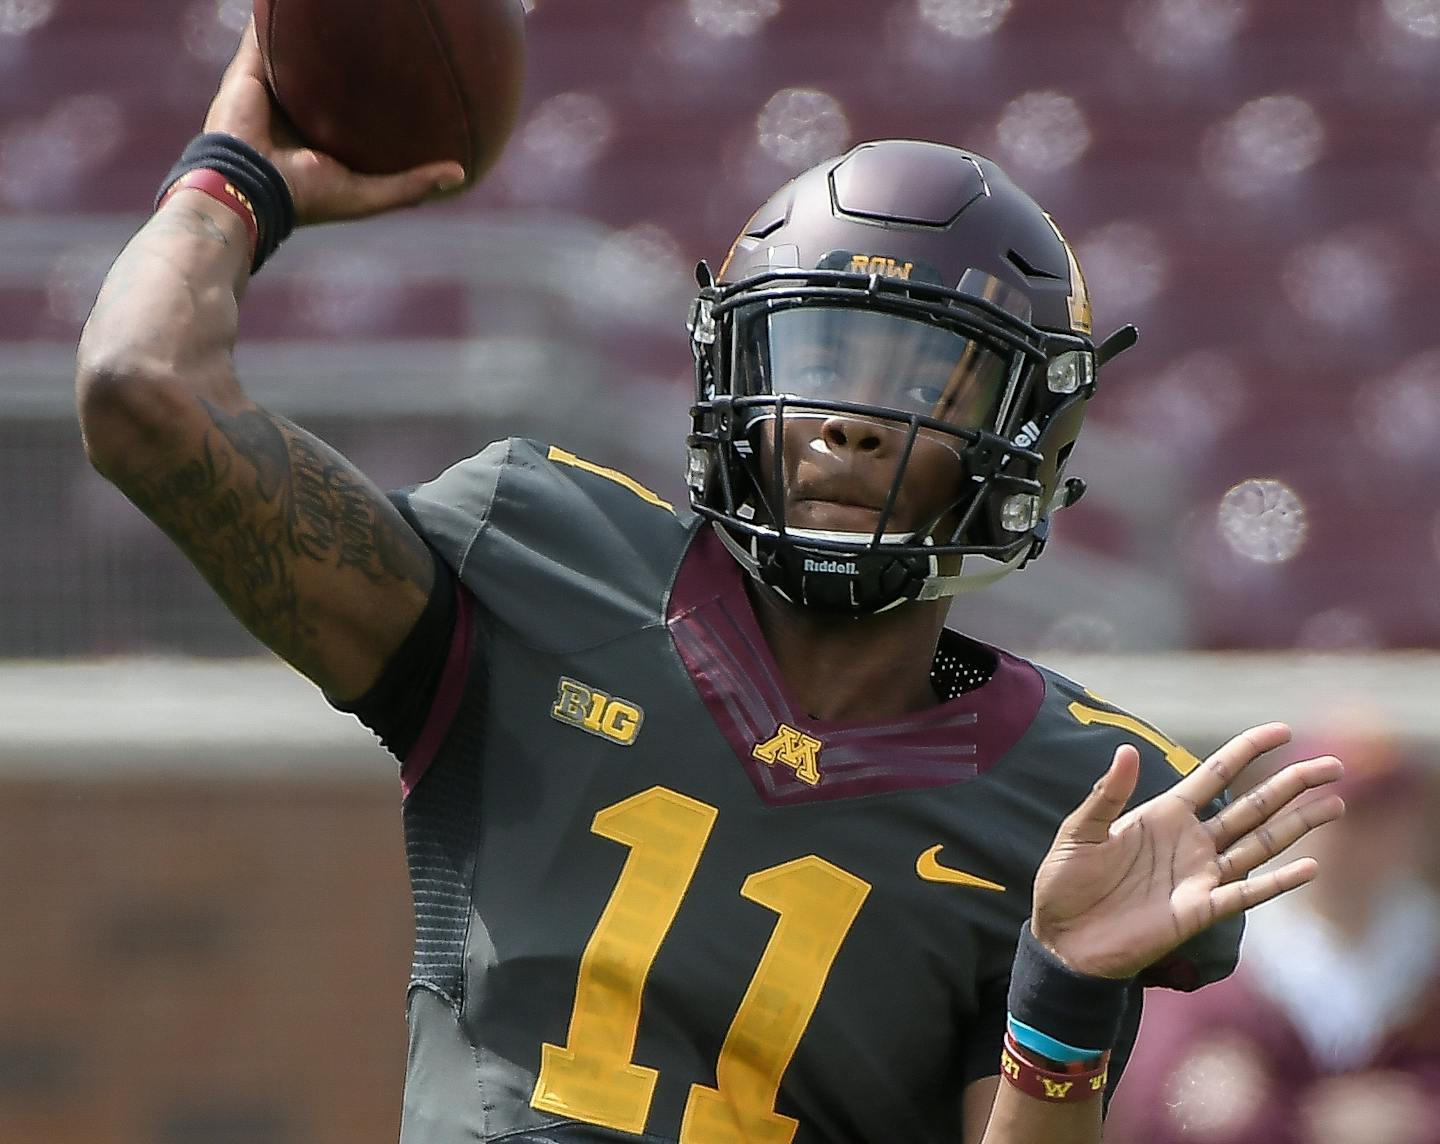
1052 1082
223 191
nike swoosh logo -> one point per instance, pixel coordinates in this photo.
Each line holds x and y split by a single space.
928 867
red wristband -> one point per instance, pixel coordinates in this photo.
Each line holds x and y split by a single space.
1052 1082
223 191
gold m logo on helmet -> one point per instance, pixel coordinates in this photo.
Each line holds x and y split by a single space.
1080 314
879 264
794 749
592 710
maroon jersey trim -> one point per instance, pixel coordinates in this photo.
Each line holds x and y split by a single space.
448 694
719 640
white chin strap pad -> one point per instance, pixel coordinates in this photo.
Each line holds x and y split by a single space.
967 581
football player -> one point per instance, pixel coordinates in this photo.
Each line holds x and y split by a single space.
717 834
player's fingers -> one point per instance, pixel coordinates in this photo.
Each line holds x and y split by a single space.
247 56
1273 837
1271 796
1218 771
247 59
388 192
331 193
243 105
1228 900
1090 821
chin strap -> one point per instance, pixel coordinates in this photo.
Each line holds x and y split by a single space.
746 560
939 586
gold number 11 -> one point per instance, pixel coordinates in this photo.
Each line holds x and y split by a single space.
593 1078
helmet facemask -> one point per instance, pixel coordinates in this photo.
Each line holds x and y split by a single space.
786 360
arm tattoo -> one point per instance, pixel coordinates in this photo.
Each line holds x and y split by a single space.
329 512
187 220
262 510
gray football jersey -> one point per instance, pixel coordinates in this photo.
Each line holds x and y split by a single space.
655 900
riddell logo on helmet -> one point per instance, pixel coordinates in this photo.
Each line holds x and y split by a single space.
846 567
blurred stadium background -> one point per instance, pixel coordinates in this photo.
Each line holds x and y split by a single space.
203 934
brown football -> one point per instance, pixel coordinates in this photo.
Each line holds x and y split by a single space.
384 85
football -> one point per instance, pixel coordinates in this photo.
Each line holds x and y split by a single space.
386 85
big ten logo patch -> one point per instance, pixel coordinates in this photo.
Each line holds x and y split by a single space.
794 749
879 264
594 711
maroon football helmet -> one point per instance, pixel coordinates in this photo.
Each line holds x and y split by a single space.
912 285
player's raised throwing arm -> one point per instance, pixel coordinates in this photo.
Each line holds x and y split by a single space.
1115 894
301 547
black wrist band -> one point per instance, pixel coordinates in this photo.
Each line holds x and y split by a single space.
1075 1008
253 174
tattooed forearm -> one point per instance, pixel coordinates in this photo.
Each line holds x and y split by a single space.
264 510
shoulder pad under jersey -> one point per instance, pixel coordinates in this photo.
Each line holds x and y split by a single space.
1074 723
565 552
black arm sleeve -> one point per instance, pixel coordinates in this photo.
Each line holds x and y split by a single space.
1125 1042
396 707
983 1038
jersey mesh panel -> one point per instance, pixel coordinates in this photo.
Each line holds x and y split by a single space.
958 668
442 825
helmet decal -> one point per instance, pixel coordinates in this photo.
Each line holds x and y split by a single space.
879 264
883 265
1079 300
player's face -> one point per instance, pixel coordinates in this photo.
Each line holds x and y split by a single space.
838 468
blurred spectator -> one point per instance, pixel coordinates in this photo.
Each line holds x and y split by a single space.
1329 1032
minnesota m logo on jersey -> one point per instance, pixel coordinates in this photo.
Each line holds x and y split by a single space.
794 749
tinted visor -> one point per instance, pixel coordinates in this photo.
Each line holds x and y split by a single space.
897 364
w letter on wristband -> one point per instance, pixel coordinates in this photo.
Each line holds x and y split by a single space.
1076 1083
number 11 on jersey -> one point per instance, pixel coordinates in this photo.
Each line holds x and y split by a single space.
593 1078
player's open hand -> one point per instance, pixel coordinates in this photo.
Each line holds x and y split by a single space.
1118 892
324 190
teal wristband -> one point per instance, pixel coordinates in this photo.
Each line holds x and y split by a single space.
1048 1047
